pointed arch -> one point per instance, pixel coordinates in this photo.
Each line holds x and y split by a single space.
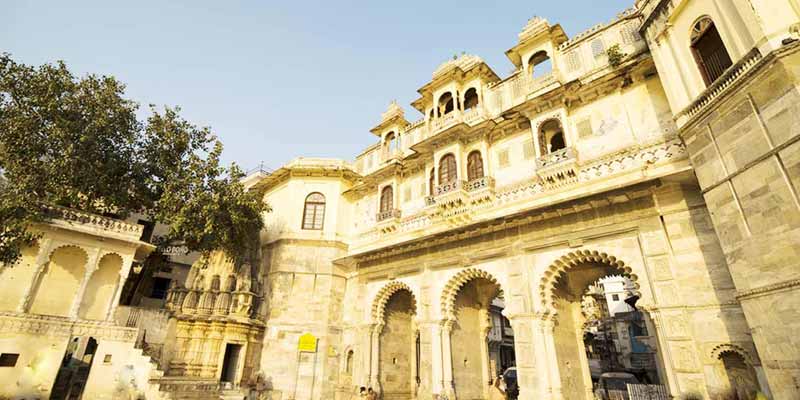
551 275
383 296
455 283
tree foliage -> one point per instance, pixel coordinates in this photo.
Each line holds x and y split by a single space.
76 142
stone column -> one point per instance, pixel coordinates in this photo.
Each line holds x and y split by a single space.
663 350
123 275
447 359
548 326
531 376
91 266
543 367
42 258
434 329
485 327
586 372
375 344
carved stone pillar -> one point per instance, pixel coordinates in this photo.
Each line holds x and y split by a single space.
91 266
663 350
531 374
548 327
447 359
374 374
485 327
434 330
543 367
123 275
42 258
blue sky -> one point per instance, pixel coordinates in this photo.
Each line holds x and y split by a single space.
276 80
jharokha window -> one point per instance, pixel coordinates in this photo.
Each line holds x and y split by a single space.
474 165
314 211
387 199
447 169
709 50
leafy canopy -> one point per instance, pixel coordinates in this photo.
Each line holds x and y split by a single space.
76 142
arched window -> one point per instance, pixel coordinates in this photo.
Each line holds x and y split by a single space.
390 143
540 65
447 169
446 104
470 99
432 181
709 51
387 199
474 165
551 137
314 211
348 365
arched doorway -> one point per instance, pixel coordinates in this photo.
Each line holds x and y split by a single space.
398 373
481 338
601 341
735 372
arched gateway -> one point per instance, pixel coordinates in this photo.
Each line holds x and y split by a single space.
577 356
393 311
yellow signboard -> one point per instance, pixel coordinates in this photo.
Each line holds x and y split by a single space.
307 343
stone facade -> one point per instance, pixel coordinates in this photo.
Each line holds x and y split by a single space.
660 147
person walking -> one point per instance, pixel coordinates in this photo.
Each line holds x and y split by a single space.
371 395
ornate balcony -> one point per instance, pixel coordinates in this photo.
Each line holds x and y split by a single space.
446 121
558 168
473 116
430 201
388 220
481 191
478 184
385 215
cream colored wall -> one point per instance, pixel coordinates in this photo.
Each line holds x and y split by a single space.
37 366
15 280
62 277
288 200
100 289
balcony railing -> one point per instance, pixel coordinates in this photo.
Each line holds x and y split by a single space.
473 115
430 200
386 215
93 221
449 187
484 182
446 121
556 157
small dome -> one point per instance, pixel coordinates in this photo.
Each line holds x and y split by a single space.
465 61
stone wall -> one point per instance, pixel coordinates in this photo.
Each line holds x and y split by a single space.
659 234
304 294
398 348
747 157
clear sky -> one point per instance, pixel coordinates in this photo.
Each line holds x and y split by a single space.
279 79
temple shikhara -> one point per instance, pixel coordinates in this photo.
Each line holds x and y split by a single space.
623 207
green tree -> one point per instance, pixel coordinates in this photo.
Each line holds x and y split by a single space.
76 142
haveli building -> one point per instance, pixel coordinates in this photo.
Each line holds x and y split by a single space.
661 147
